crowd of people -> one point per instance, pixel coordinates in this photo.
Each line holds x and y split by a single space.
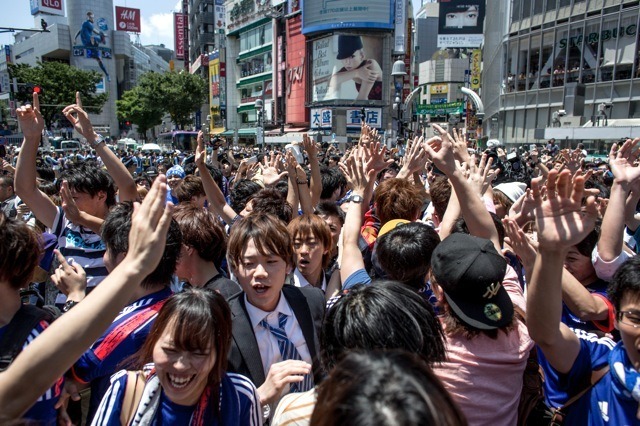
434 284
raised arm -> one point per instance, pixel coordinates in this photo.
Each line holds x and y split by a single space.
217 202
625 176
474 211
315 186
58 347
561 224
32 125
80 120
361 178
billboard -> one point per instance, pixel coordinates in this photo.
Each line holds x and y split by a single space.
92 37
179 21
324 15
52 7
127 19
461 23
346 67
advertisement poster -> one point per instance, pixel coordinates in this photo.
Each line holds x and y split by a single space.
127 19
93 36
347 67
461 23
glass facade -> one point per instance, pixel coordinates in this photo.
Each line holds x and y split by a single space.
587 51
551 43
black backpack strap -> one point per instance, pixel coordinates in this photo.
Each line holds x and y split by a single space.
17 332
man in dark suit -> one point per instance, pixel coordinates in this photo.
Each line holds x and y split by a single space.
275 326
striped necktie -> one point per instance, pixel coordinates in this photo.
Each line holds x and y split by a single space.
288 351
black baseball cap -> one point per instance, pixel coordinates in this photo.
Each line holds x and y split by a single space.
470 272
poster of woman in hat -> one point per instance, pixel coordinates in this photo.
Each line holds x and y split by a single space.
356 75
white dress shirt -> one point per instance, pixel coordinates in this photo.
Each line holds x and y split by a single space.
267 342
300 281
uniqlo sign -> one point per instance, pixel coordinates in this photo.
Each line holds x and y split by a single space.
53 7
127 19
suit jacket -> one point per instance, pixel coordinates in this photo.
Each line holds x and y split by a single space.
308 306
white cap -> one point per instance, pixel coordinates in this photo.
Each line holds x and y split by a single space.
491 143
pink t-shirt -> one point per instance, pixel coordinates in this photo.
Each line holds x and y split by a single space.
484 375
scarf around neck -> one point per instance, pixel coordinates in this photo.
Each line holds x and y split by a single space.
625 377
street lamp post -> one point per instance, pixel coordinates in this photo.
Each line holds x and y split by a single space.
398 72
259 134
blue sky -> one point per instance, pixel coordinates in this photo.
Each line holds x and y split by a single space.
157 23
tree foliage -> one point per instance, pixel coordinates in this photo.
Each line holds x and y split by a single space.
138 109
182 94
59 83
177 94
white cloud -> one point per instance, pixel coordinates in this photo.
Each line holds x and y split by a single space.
158 29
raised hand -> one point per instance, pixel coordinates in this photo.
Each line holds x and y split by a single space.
621 162
271 175
560 219
309 146
572 159
358 172
519 242
201 153
79 118
31 121
415 158
149 225
440 150
482 175
375 152
460 151
71 210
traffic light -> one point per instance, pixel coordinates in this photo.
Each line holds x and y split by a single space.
27 89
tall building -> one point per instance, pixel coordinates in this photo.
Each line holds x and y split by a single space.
86 39
449 38
561 65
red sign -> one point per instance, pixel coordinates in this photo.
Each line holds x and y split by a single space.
179 20
52 4
127 19
295 78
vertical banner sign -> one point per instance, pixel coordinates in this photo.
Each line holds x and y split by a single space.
399 41
220 16
185 33
179 20
127 19
476 60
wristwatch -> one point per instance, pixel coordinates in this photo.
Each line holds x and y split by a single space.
355 198
99 139
68 305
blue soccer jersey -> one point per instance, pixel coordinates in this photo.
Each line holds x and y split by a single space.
604 403
124 337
